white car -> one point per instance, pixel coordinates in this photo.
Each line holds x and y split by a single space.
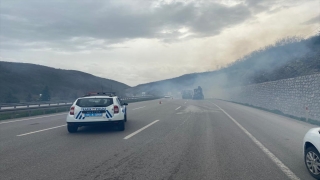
97 109
311 149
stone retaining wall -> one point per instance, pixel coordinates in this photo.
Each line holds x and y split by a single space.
290 96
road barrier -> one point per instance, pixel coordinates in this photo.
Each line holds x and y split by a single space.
10 106
6 106
15 110
138 99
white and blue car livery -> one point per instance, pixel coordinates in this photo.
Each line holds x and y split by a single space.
96 109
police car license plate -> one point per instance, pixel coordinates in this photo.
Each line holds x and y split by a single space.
93 114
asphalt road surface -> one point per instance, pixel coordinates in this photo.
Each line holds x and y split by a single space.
177 139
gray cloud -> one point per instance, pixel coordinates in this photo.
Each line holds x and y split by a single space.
54 24
214 17
146 40
270 5
314 20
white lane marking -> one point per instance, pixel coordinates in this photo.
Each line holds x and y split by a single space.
178 107
30 118
136 132
139 108
277 161
41 130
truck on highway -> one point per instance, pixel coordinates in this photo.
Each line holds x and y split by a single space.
187 94
197 93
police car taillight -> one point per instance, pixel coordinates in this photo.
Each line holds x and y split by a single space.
115 109
72 110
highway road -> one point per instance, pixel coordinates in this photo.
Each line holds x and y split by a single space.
177 139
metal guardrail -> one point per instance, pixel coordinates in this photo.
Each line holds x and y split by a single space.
35 102
137 99
34 108
9 107
31 103
23 111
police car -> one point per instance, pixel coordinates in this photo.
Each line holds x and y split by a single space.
311 151
97 109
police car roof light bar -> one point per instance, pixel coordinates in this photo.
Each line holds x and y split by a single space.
100 93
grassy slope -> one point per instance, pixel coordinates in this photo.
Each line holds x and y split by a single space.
21 79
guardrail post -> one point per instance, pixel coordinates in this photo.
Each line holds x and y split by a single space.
39 105
28 105
307 114
49 104
14 107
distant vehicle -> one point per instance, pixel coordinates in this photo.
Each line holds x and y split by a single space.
311 149
97 109
187 94
197 93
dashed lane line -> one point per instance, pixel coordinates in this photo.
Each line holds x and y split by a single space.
138 131
139 108
40 130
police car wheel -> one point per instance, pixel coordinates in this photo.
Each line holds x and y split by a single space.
121 126
312 159
72 129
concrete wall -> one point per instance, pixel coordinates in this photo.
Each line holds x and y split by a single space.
291 96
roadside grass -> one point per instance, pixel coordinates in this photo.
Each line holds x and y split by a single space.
275 111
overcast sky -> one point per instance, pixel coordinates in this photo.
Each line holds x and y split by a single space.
140 41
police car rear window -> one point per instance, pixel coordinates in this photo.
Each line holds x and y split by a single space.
94 102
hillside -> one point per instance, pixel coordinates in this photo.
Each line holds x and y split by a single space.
22 79
290 57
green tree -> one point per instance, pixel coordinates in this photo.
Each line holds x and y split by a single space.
45 94
9 98
29 98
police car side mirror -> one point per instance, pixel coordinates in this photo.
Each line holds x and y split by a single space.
125 104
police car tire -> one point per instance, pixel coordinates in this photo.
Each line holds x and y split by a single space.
72 129
121 125
314 150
